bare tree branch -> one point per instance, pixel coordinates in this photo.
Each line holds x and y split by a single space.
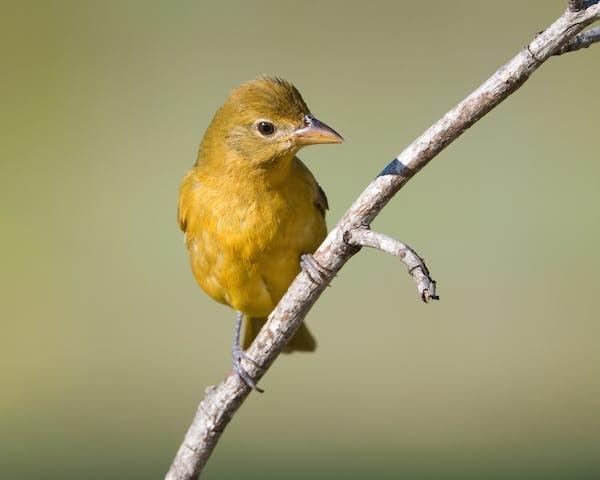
223 400
365 237
583 40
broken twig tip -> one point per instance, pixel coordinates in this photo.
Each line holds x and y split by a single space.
430 293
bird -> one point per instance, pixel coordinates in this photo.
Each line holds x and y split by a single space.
252 213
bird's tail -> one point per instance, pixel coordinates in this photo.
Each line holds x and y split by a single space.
302 341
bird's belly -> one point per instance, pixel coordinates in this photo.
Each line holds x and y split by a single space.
251 269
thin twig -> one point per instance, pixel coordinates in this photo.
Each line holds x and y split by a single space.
583 40
223 400
365 237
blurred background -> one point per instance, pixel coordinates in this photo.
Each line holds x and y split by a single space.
107 342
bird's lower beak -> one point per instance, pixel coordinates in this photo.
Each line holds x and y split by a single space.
315 132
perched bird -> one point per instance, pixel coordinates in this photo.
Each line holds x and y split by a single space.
251 211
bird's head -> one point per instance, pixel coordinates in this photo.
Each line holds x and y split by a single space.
266 119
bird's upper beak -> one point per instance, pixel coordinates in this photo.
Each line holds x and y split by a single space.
314 132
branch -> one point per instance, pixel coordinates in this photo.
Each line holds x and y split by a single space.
583 40
365 237
223 400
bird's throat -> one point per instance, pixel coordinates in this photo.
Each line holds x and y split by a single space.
239 170
277 170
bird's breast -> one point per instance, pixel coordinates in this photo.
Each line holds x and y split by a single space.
245 244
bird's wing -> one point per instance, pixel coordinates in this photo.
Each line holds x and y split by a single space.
321 201
181 218
320 197
187 193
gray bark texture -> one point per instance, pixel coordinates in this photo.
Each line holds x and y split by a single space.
352 231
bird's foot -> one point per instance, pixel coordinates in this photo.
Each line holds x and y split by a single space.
239 355
315 271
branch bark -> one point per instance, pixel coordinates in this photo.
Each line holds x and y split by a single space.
365 237
583 40
222 401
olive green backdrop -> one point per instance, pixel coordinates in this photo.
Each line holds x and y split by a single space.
107 343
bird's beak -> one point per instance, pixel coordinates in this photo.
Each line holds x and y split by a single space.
314 132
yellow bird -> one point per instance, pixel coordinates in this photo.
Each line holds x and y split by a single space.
251 211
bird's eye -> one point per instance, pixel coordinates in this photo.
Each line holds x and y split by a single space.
266 128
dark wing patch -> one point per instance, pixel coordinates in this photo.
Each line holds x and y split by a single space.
181 220
320 197
321 201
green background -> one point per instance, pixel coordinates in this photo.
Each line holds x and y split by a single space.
107 343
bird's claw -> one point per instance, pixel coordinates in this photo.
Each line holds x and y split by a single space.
239 355
316 272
